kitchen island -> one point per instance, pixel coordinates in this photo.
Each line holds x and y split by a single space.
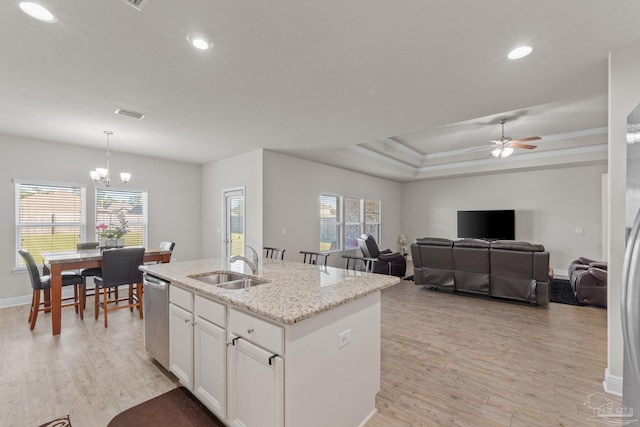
301 349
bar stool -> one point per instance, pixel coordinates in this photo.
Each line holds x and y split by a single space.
315 257
274 253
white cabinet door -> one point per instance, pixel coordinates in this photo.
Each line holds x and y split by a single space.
256 385
210 366
181 345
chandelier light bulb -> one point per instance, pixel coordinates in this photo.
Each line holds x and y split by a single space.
101 175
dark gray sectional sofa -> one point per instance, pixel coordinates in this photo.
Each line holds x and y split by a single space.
503 268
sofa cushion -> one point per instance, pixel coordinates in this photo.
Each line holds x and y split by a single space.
472 267
517 246
434 241
472 243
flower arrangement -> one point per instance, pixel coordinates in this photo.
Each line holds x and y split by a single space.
404 243
112 231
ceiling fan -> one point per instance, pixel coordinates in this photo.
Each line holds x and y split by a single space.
504 146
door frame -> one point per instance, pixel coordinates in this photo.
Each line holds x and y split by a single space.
228 192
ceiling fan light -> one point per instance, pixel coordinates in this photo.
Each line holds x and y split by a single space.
520 52
507 151
496 152
94 175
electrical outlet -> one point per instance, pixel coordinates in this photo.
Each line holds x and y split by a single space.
344 338
579 230
284 231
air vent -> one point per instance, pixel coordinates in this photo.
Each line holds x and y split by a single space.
136 4
130 113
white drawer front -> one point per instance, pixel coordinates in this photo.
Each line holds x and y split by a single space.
209 310
181 298
265 334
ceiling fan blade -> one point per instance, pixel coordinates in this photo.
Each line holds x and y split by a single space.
531 138
527 146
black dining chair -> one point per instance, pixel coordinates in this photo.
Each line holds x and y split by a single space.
42 283
274 253
89 272
315 257
119 267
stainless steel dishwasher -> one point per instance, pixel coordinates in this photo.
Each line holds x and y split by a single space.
155 302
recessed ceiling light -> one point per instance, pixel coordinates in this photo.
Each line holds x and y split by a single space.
200 41
37 11
520 52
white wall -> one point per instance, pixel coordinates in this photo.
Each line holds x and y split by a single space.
550 204
174 197
292 188
245 171
624 95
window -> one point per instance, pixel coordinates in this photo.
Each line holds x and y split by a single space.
131 206
49 217
330 222
352 222
372 218
360 216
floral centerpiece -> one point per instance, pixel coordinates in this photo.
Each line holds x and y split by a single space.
404 244
112 234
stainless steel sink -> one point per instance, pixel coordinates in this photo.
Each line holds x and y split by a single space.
241 283
228 280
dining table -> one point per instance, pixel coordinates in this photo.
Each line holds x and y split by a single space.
57 262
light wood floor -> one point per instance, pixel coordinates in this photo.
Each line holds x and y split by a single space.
447 360
454 360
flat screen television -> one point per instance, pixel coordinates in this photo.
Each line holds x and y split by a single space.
488 225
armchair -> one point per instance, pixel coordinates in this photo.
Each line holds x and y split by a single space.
387 262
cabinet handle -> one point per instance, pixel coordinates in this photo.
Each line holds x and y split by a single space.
186 320
250 330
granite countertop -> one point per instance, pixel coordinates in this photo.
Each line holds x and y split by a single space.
294 291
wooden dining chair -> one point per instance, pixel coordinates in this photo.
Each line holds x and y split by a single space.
274 253
42 283
119 267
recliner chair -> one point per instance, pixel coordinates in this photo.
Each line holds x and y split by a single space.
387 262
588 279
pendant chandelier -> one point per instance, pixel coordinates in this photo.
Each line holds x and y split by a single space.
101 175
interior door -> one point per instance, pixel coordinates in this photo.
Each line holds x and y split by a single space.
234 226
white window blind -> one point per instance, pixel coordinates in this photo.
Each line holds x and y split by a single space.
353 221
330 222
49 217
128 205
372 218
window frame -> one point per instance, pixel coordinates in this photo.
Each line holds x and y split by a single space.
339 223
342 223
144 224
19 185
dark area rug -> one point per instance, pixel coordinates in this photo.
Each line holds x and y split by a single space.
59 422
175 408
560 291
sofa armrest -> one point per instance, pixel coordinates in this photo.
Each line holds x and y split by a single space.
599 274
599 264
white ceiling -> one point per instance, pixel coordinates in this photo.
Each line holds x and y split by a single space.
393 89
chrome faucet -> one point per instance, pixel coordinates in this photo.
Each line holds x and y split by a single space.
253 264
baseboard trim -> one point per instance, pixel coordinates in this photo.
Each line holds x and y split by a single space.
561 274
12 302
26 299
612 383
366 420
